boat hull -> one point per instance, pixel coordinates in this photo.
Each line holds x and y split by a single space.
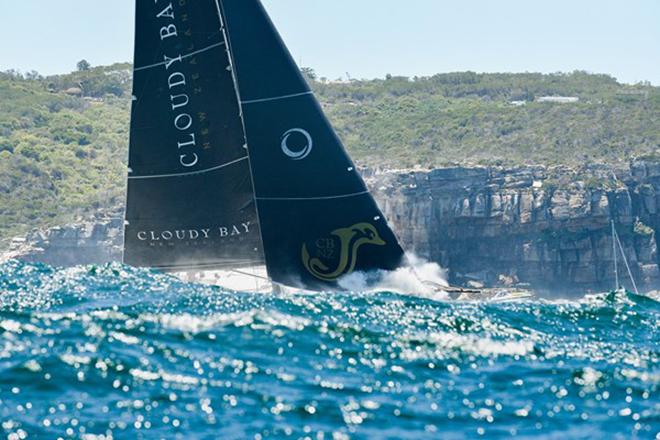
255 279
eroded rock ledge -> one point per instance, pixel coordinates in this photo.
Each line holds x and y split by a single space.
542 226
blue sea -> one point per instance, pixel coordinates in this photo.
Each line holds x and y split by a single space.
111 352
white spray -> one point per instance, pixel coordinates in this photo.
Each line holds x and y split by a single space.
419 277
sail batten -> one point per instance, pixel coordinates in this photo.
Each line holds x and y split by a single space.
192 173
302 199
191 54
277 98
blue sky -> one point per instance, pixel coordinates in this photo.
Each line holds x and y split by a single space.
370 38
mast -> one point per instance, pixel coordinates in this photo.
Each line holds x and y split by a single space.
614 253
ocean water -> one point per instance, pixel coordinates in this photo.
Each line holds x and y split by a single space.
114 352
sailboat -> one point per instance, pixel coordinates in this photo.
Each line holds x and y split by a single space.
233 165
618 247
232 162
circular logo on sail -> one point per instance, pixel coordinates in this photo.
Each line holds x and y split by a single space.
297 143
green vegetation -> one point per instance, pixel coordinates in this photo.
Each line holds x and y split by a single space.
83 65
63 139
469 118
61 155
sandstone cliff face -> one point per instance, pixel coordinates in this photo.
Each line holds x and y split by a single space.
546 227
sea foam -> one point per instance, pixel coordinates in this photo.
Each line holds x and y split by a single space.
418 277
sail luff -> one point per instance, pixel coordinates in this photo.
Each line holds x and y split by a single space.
237 90
125 217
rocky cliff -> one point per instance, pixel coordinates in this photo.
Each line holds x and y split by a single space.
547 227
542 226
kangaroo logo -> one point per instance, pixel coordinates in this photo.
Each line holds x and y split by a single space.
350 241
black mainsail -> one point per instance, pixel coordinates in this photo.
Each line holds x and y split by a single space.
318 220
190 202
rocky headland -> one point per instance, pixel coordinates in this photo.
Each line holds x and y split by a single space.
543 226
546 227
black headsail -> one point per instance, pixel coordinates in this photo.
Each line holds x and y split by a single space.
318 220
190 197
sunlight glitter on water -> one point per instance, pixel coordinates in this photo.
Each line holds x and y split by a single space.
113 352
